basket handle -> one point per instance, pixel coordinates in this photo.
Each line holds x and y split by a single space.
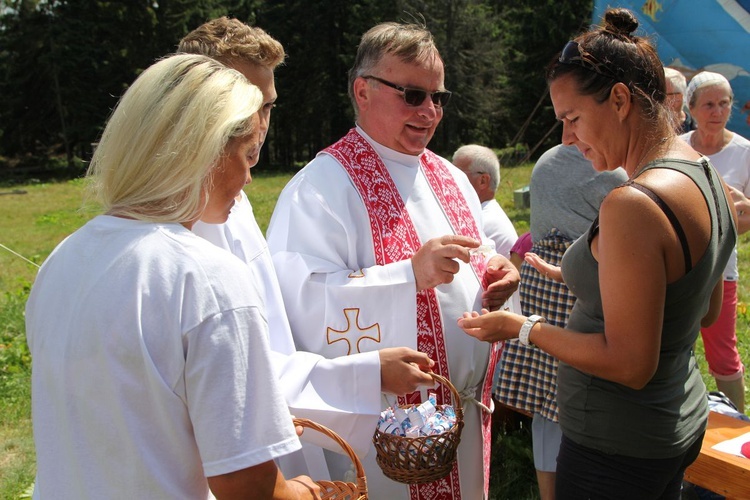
456 396
361 481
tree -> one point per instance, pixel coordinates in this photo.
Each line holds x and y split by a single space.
533 32
314 108
64 64
467 35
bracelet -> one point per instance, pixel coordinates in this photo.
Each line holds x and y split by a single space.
523 335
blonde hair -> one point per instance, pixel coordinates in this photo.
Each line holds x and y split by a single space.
228 40
155 157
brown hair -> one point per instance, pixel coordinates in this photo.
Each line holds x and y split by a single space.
627 58
227 39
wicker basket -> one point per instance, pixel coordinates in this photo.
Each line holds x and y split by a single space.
421 459
339 490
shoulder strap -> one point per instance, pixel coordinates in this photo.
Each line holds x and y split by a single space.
672 219
708 171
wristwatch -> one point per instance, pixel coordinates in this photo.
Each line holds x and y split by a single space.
523 335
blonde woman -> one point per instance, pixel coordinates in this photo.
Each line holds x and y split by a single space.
151 375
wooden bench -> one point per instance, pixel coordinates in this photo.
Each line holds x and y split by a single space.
720 472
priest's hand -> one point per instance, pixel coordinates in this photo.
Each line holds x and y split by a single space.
435 262
402 370
500 280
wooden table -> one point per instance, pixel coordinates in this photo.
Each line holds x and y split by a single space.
720 472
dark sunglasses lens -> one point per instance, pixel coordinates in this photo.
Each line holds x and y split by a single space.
570 52
414 97
441 98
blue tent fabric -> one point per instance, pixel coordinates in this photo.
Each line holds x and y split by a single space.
699 35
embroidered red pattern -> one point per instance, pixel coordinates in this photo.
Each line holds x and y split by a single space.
394 239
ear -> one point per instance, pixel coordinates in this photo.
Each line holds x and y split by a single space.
621 100
361 93
484 180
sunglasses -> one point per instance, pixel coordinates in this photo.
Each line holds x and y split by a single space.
415 97
574 54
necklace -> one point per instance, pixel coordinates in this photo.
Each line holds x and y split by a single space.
641 164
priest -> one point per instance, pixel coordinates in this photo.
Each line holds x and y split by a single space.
378 243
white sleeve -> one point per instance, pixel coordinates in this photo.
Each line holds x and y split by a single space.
499 228
236 408
342 394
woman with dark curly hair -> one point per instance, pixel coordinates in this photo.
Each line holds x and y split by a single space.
646 276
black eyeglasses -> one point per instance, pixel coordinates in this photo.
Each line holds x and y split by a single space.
574 54
415 97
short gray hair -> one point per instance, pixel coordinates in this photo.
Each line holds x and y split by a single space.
703 80
409 42
676 78
482 160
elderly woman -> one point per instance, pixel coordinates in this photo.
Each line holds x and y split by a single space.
151 377
710 98
646 275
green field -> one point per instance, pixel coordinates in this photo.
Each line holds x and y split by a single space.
36 217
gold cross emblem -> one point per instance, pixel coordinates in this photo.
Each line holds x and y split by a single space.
356 274
371 332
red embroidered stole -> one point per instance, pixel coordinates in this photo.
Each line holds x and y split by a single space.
394 239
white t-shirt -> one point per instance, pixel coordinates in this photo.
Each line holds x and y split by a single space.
733 164
343 393
498 227
150 366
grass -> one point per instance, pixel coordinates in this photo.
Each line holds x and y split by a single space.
34 222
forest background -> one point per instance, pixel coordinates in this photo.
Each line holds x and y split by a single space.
64 64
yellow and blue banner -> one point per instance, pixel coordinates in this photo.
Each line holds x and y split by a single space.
699 35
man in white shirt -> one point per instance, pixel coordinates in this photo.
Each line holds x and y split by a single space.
377 240
482 167
342 393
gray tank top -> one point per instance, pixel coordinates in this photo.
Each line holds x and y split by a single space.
665 417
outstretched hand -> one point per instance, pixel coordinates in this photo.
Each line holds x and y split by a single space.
403 370
490 326
541 265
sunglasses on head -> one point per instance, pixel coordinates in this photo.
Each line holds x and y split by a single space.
574 54
415 97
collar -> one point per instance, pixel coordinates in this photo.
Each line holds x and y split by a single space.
388 154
